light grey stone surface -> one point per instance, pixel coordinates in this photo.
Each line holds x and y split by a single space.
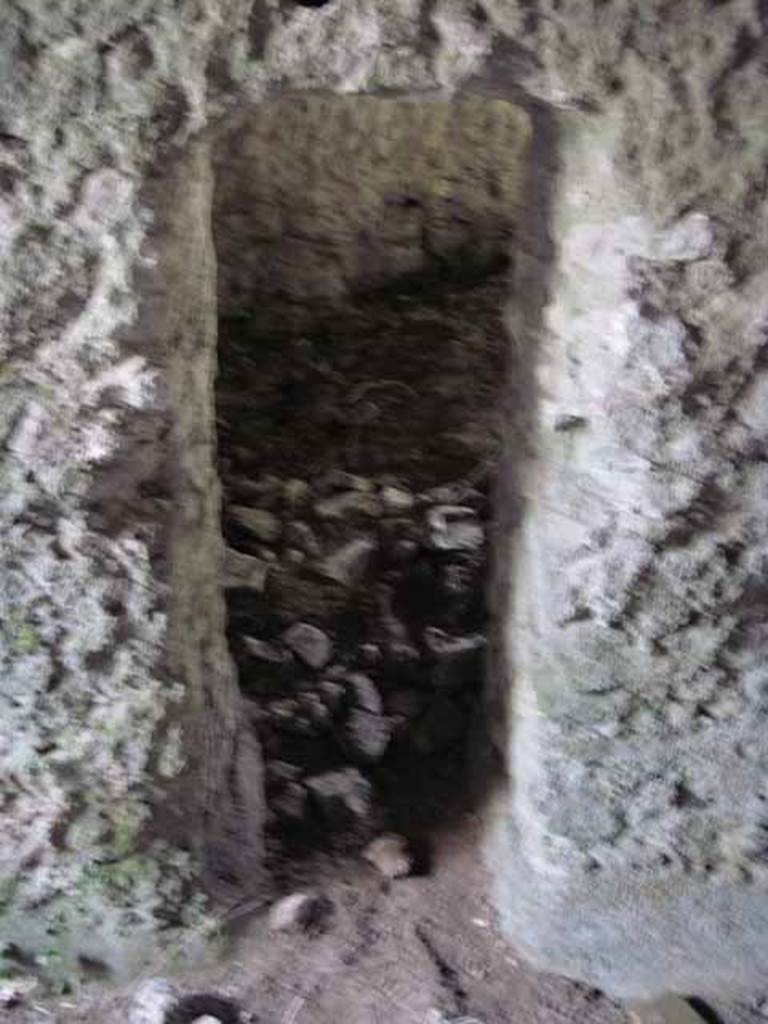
630 845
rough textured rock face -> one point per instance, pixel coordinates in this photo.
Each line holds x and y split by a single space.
637 739
630 847
114 676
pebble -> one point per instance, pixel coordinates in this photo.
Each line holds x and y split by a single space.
443 645
295 492
280 772
301 535
152 1002
299 911
363 693
342 796
338 506
452 494
244 571
309 643
264 491
390 855
262 650
454 528
396 499
262 524
332 694
207 1019
367 735
349 563
340 480
370 653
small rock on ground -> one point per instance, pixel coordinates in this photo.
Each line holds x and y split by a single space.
299 911
390 855
152 1002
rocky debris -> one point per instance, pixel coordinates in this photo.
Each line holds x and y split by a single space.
332 694
390 855
363 693
278 773
264 525
454 528
348 564
385 611
343 797
339 506
300 535
244 572
340 480
295 492
264 492
367 735
396 499
152 1002
309 643
300 911
261 650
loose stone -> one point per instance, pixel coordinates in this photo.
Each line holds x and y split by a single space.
258 521
454 528
244 572
339 506
296 912
339 480
152 1002
262 650
367 735
309 643
390 855
396 499
301 535
343 797
363 693
349 563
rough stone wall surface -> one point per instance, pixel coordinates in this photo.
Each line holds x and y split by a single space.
94 687
632 843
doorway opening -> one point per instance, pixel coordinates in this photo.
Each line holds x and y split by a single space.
363 251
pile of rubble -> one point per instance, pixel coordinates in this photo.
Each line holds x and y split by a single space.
357 622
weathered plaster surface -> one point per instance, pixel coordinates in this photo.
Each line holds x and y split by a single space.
635 829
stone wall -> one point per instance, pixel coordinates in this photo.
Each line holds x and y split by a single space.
119 738
630 844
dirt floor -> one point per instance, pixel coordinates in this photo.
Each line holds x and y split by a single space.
422 950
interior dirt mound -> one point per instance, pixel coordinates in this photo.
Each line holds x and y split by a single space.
357 447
